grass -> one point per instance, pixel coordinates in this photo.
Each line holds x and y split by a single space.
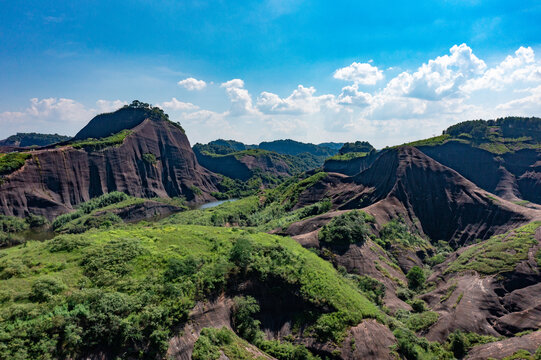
12 161
129 265
100 144
499 254
347 156
449 292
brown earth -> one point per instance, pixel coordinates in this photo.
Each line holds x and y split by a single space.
244 166
511 176
432 198
507 347
55 180
498 305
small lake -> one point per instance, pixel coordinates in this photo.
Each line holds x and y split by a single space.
213 204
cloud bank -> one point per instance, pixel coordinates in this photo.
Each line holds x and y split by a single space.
381 106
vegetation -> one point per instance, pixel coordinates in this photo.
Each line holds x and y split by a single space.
12 161
127 288
77 222
348 156
103 143
499 254
33 139
348 228
397 232
150 158
416 278
498 136
356 147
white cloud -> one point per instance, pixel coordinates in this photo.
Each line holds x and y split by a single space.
527 106
519 68
241 100
192 84
359 73
301 101
53 115
175 104
439 78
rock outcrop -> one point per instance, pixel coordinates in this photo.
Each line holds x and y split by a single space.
154 160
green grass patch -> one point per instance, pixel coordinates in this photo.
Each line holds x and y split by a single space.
499 254
100 144
127 288
347 156
12 161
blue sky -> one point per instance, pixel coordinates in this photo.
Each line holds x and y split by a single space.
387 72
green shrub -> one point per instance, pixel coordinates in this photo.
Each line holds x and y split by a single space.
397 232
245 325
404 294
347 228
372 288
418 305
103 143
150 158
241 252
35 221
43 289
12 224
12 162
416 278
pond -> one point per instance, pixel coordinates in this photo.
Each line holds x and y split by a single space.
213 204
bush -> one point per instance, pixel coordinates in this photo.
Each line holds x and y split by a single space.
241 252
404 294
458 344
12 161
35 221
347 228
245 325
12 224
150 158
418 305
43 289
416 278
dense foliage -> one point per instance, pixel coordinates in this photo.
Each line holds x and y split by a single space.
12 161
33 139
103 143
126 289
348 228
356 147
499 254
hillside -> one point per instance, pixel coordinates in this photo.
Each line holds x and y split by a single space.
152 158
32 139
266 166
507 150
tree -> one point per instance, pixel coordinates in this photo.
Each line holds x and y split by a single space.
416 278
241 253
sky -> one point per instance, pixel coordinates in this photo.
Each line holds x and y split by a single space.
387 72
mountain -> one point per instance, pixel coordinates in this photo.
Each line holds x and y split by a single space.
269 161
136 150
292 147
437 200
332 145
244 165
32 139
502 156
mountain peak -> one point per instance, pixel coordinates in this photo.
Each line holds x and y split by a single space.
127 117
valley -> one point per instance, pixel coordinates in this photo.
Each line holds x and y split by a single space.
143 246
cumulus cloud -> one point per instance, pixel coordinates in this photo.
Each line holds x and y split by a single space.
175 104
192 84
58 115
528 105
359 73
519 68
241 100
418 103
301 101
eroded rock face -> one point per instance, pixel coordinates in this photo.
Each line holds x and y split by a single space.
435 199
507 347
511 176
369 340
54 180
498 305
